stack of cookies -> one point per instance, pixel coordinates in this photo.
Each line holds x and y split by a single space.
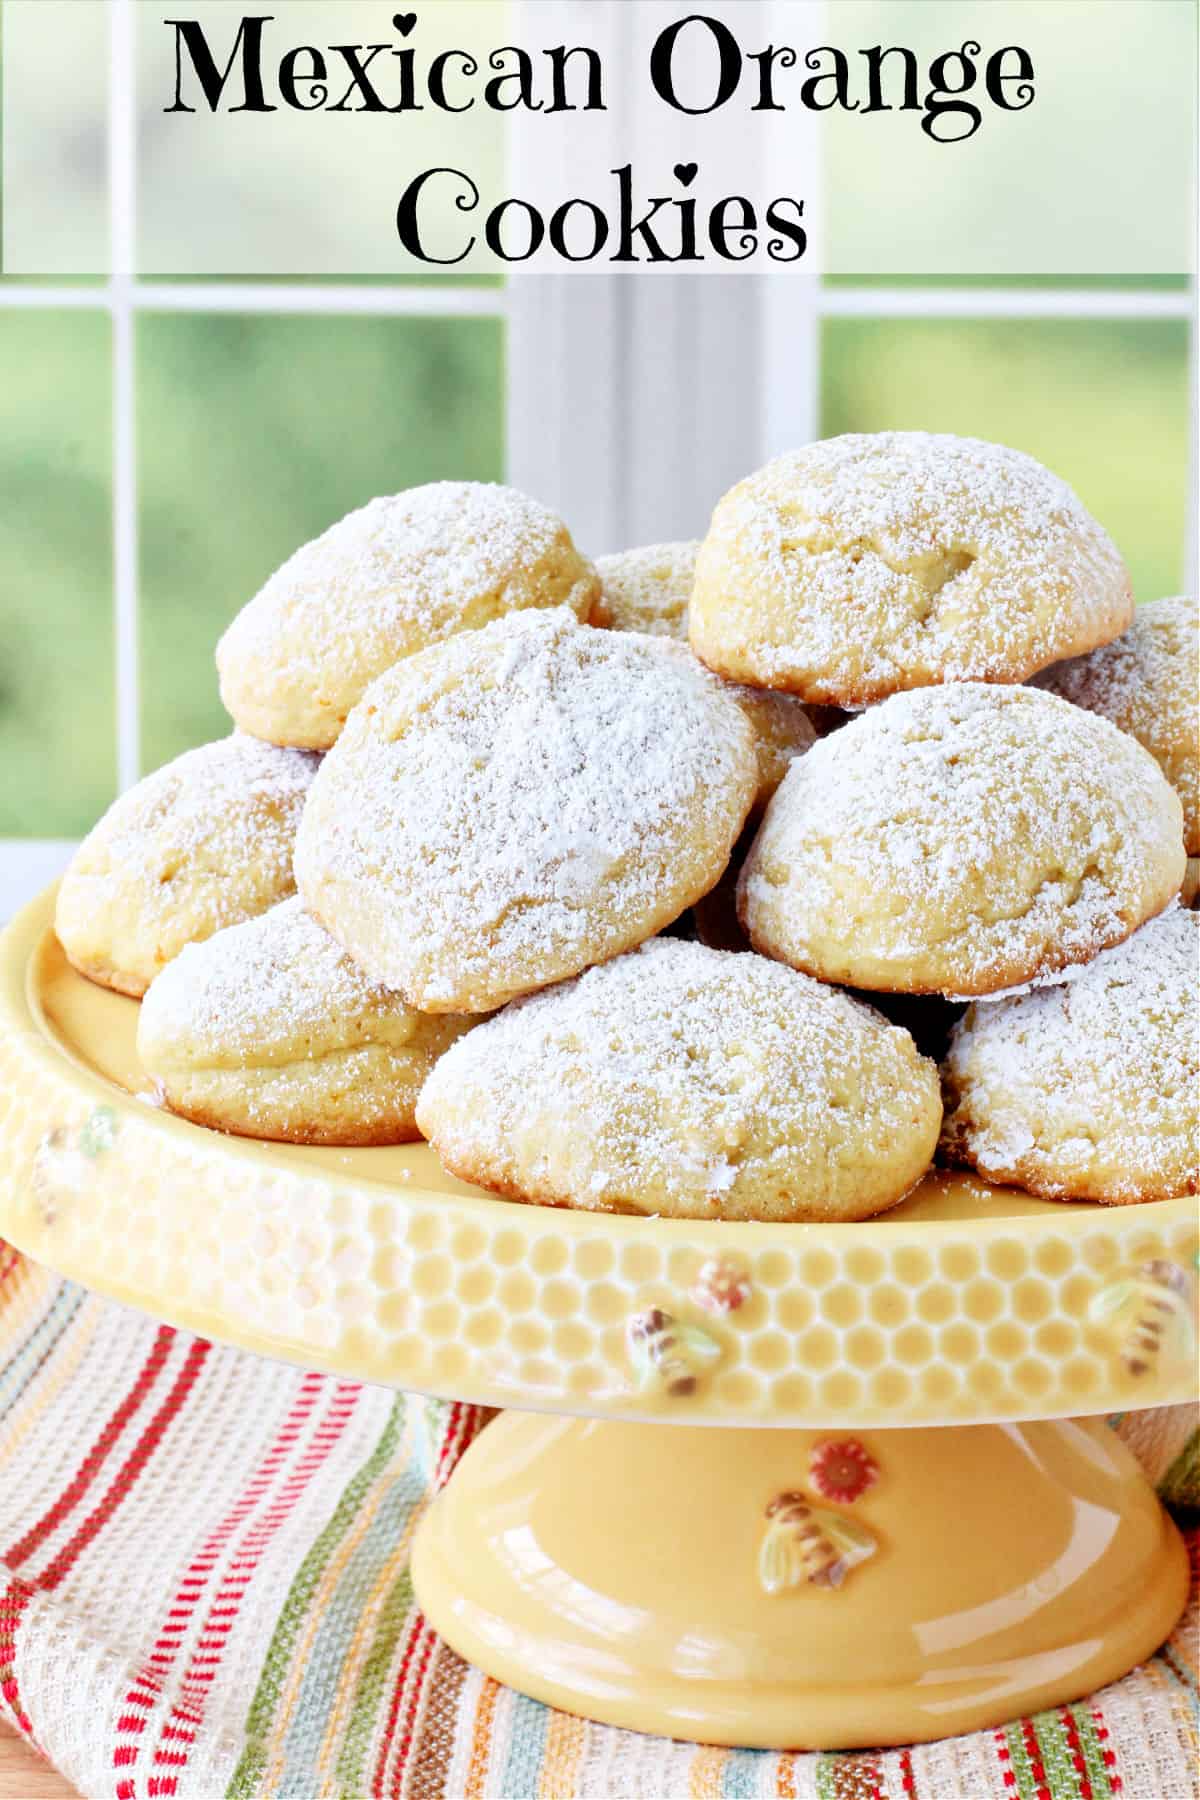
896 709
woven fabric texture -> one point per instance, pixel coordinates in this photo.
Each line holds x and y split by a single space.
205 1592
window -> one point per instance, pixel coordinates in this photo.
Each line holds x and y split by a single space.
166 444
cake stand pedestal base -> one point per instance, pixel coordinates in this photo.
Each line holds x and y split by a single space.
731 1587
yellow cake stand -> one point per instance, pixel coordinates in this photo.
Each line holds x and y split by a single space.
702 1515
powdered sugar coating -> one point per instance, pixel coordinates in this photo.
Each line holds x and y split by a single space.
204 842
648 590
782 732
1089 1091
519 802
268 1028
405 571
961 840
1148 683
872 563
269 990
689 1082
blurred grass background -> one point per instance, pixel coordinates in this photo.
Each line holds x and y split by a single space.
57 716
256 432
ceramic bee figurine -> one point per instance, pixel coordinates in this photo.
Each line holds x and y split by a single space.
61 1164
669 1354
805 1543
99 1133
1154 1308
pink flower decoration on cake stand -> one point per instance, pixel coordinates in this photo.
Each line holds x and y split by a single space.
843 1470
721 1286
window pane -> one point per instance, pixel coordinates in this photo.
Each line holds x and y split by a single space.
295 279
1158 284
254 434
1103 403
57 705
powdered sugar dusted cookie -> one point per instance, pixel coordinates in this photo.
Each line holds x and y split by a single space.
782 732
1089 1090
269 1030
204 842
869 564
961 840
1148 683
779 724
519 802
689 1082
399 574
648 590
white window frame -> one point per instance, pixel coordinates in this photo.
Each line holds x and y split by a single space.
632 402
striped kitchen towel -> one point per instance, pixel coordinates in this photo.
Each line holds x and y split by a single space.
205 1593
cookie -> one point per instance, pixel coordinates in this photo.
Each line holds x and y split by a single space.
269 1030
401 573
714 918
782 732
519 802
960 840
1189 893
690 1083
927 1018
202 843
869 564
1089 1090
647 590
1148 683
